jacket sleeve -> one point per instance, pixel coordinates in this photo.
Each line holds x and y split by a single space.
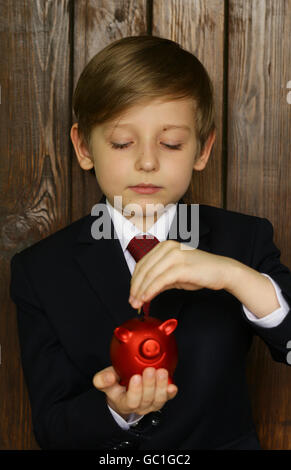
68 412
266 259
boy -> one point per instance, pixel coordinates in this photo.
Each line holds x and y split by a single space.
144 110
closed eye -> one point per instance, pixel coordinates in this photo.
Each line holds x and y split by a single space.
123 146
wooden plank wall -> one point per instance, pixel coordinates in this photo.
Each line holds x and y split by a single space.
35 176
45 44
259 171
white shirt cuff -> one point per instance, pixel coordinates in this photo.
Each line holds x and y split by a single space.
132 419
274 318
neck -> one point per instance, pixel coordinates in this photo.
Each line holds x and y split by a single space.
143 223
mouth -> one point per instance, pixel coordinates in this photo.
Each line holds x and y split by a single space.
145 185
150 361
144 188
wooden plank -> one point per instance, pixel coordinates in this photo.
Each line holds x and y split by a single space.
96 24
259 172
198 26
34 170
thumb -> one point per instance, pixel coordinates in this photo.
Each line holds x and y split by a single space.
104 378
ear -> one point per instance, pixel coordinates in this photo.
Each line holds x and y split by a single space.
201 162
168 326
123 334
81 149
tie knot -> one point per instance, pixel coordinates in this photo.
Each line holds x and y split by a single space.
141 245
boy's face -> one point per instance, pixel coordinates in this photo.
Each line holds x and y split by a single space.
146 157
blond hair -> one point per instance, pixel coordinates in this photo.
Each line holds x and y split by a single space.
134 69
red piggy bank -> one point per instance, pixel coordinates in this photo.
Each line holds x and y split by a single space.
140 343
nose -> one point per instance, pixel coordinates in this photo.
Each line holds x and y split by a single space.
150 348
147 160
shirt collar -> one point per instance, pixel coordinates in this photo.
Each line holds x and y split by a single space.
126 230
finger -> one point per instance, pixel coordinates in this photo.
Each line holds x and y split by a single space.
152 257
148 389
145 279
158 247
157 252
133 395
105 378
161 394
168 279
152 269
172 391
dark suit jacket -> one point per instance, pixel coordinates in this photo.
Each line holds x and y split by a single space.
72 290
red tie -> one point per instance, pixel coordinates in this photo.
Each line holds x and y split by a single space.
138 247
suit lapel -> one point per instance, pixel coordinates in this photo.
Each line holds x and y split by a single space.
104 266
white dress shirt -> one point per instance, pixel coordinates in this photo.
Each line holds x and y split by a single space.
126 230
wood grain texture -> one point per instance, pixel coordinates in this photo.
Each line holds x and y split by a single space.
34 169
199 27
259 171
97 24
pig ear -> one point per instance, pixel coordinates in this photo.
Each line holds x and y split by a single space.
168 326
123 334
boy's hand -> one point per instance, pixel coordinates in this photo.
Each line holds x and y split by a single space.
149 394
168 266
